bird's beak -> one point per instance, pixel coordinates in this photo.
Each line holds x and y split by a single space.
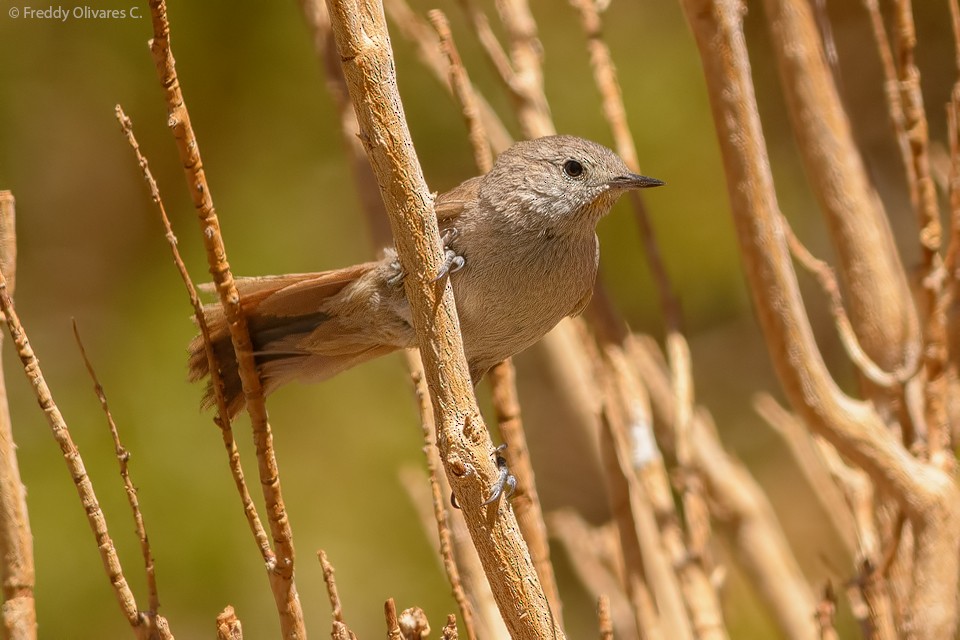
634 181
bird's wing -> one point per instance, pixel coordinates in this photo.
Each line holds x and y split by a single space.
451 204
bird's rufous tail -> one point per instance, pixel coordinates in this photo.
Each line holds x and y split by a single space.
286 316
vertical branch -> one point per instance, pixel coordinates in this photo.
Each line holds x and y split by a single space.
363 43
882 311
463 92
418 32
223 415
16 541
928 496
280 571
437 498
931 273
526 53
503 383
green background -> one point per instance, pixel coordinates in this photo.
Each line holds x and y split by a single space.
91 247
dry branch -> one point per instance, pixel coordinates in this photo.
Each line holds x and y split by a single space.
502 378
438 497
883 316
279 568
419 33
928 496
364 47
146 627
228 625
223 416
16 541
589 551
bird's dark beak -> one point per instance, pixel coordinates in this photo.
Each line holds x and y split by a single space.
634 181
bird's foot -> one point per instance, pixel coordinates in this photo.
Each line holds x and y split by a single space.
506 482
452 261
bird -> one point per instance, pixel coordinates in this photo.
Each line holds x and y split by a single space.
520 250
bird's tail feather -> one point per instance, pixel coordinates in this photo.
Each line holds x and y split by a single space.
282 312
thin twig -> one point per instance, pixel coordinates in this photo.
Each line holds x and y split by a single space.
502 378
281 572
16 541
393 625
223 415
438 498
228 625
419 33
594 554
931 275
892 92
450 629
826 611
603 614
123 457
463 93
141 624
851 344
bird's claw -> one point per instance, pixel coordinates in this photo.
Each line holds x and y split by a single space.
452 262
506 483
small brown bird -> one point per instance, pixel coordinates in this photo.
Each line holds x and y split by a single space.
521 241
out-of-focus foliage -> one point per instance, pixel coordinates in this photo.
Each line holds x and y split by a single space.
91 247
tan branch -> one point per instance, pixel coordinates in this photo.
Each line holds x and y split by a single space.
222 420
595 557
228 625
439 497
450 629
142 625
892 94
16 541
281 571
393 624
419 33
882 312
605 624
463 92
363 43
929 497
502 378
848 336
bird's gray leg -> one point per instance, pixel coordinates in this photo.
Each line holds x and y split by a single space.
452 262
506 481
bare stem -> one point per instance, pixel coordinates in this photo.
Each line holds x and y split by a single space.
16 541
123 457
363 43
280 572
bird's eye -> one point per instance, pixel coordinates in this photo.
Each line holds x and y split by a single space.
573 168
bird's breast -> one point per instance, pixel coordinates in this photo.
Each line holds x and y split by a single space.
512 291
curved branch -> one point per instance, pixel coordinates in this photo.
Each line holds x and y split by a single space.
928 496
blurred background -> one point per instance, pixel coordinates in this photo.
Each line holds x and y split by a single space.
91 247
